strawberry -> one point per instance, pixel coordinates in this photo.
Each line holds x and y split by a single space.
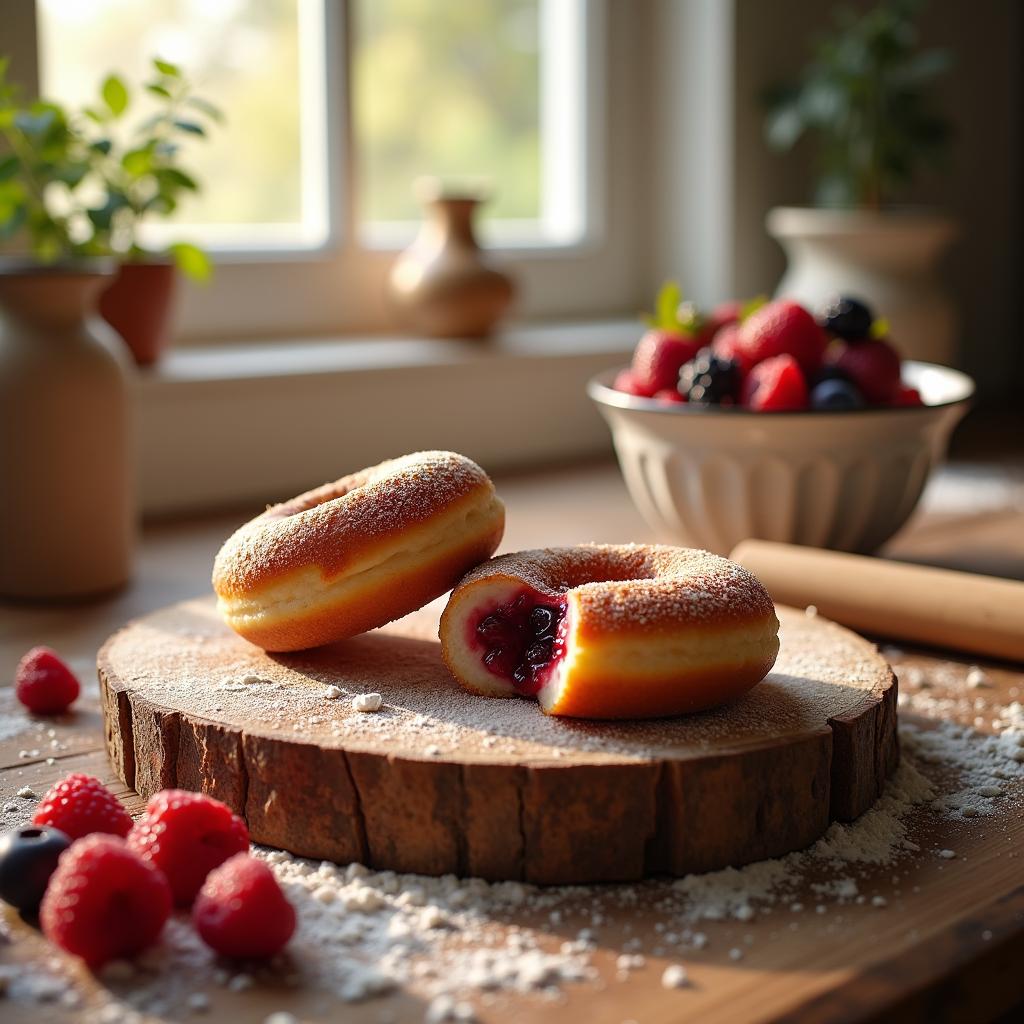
775 385
670 395
905 395
726 345
626 383
725 314
873 365
658 357
782 327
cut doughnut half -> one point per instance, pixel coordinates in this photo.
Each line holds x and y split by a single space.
503 637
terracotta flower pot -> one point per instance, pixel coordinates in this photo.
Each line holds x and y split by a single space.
138 306
67 518
443 285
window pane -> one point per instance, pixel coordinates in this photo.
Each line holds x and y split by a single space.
488 91
260 61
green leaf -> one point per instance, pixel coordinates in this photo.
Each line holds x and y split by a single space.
72 174
115 95
167 68
209 109
668 302
138 162
191 127
9 167
175 178
101 146
12 220
158 90
192 261
35 126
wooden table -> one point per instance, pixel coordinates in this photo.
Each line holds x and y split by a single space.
946 945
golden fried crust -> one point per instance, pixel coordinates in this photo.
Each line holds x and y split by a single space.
650 630
359 552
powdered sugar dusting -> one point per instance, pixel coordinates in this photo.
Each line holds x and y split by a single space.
187 659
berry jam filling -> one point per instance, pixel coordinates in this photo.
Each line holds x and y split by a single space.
522 640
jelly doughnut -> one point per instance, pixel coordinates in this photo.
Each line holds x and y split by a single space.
602 631
357 553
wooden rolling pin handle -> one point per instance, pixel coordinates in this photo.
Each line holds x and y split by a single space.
959 610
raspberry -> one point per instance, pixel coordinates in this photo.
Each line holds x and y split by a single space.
780 328
669 395
905 396
186 835
104 902
726 346
627 383
775 385
658 357
873 365
241 910
44 684
80 804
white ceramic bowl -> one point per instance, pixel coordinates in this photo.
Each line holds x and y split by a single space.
711 477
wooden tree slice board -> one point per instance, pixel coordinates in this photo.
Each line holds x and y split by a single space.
442 781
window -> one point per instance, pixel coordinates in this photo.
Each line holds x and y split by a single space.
335 107
265 169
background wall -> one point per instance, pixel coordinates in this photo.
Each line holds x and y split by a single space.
982 187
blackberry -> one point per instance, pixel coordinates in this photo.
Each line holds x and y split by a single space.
708 379
847 318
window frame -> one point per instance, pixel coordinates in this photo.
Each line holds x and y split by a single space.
340 287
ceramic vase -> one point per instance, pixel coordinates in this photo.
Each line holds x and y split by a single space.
443 285
887 259
138 303
67 505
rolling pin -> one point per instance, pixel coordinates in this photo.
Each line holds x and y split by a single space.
959 610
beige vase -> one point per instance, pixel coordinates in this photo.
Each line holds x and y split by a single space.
67 511
443 285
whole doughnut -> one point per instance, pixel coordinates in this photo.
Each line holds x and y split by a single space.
357 553
603 631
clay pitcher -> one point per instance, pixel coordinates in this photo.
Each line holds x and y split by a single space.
67 503
443 284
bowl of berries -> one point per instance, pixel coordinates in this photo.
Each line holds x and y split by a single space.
764 420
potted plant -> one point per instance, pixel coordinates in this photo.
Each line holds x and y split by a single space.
864 100
114 178
73 196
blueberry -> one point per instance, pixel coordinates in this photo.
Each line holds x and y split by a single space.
521 674
28 856
835 396
708 379
538 653
542 620
847 318
492 629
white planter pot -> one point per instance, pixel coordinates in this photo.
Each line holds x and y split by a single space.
886 259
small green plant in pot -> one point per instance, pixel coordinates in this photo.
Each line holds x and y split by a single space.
865 104
81 184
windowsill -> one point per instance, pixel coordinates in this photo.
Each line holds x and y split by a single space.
257 422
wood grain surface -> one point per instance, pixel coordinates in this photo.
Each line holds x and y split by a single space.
440 781
945 948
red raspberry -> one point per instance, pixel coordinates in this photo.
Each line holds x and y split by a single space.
873 365
658 358
186 835
80 804
104 902
44 684
726 346
241 910
669 395
783 327
906 396
775 385
725 314
626 382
